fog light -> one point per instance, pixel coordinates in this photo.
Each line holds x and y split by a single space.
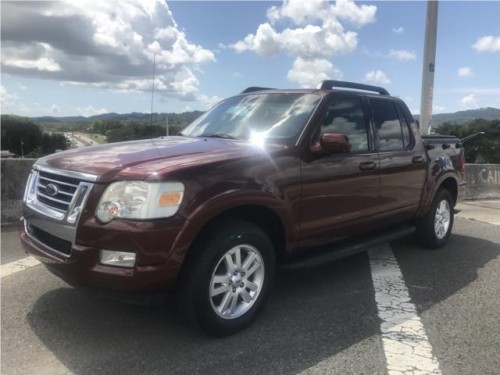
117 258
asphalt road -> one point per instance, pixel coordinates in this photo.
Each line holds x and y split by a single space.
321 321
78 139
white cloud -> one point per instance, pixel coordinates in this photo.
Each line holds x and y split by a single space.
315 31
402 54
465 72
41 64
438 108
377 76
208 102
54 109
309 73
108 44
398 30
469 102
91 111
306 12
487 43
6 99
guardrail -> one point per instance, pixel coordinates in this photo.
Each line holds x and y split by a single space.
483 182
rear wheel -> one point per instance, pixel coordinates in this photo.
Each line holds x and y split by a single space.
227 279
434 229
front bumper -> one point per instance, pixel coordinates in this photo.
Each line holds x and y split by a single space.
58 248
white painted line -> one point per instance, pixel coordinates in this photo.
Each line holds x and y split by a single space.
18 265
406 346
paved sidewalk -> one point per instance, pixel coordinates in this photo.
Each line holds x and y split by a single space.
486 211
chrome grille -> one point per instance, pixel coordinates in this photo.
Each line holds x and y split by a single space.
56 191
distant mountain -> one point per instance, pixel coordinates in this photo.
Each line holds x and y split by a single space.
59 119
461 117
458 118
133 116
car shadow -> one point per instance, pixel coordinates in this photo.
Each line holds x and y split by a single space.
311 316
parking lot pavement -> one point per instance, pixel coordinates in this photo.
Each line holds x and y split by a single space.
486 211
320 321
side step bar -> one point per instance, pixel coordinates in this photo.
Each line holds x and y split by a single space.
334 252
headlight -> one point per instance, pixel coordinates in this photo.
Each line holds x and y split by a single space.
139 200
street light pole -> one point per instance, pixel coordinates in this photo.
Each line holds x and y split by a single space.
428 67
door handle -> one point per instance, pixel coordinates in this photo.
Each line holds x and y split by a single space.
367 165
417 160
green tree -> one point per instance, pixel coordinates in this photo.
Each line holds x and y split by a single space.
20 135
481 148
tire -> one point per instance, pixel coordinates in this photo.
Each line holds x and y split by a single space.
434 229
227 278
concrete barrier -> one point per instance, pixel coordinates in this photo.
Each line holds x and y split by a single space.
14 175
483 182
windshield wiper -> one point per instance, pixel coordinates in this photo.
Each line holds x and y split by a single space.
218 135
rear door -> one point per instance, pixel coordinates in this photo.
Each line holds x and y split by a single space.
339 191
402 164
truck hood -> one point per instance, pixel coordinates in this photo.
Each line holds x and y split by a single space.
150 158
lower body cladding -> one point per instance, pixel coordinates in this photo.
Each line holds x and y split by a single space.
79 263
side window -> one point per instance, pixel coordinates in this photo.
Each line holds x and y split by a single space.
387 125
346 116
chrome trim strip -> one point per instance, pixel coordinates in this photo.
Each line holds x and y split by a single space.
52 199
64 172
69 216
46 210
59 182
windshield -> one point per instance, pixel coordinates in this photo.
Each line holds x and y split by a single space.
279 117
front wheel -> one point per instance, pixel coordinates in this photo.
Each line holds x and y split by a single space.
434 229
227 279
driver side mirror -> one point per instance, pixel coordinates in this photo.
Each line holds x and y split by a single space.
331 143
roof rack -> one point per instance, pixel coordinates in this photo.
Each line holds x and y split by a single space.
255 88
328 85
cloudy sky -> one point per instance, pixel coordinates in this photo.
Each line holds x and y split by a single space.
91 57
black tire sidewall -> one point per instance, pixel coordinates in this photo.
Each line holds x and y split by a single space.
427 230
224 237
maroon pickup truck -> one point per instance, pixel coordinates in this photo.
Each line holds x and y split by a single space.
267 178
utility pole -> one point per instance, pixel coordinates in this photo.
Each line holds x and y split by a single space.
153 90
166 126
428 67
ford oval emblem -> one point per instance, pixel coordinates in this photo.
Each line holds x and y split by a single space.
51 190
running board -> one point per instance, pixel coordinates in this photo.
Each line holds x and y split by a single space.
334 251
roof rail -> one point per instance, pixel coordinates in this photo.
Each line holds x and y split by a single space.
328 85
255 88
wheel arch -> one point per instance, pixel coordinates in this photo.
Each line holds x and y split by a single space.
263 217
451 185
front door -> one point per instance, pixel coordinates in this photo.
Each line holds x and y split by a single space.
340 191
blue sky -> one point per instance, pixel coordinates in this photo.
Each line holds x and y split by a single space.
85 58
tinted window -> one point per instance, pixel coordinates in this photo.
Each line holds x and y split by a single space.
387 124
346 116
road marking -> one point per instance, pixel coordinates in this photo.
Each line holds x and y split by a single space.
17 266
406 346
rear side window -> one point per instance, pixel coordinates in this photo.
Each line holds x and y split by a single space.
346 116
388 125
